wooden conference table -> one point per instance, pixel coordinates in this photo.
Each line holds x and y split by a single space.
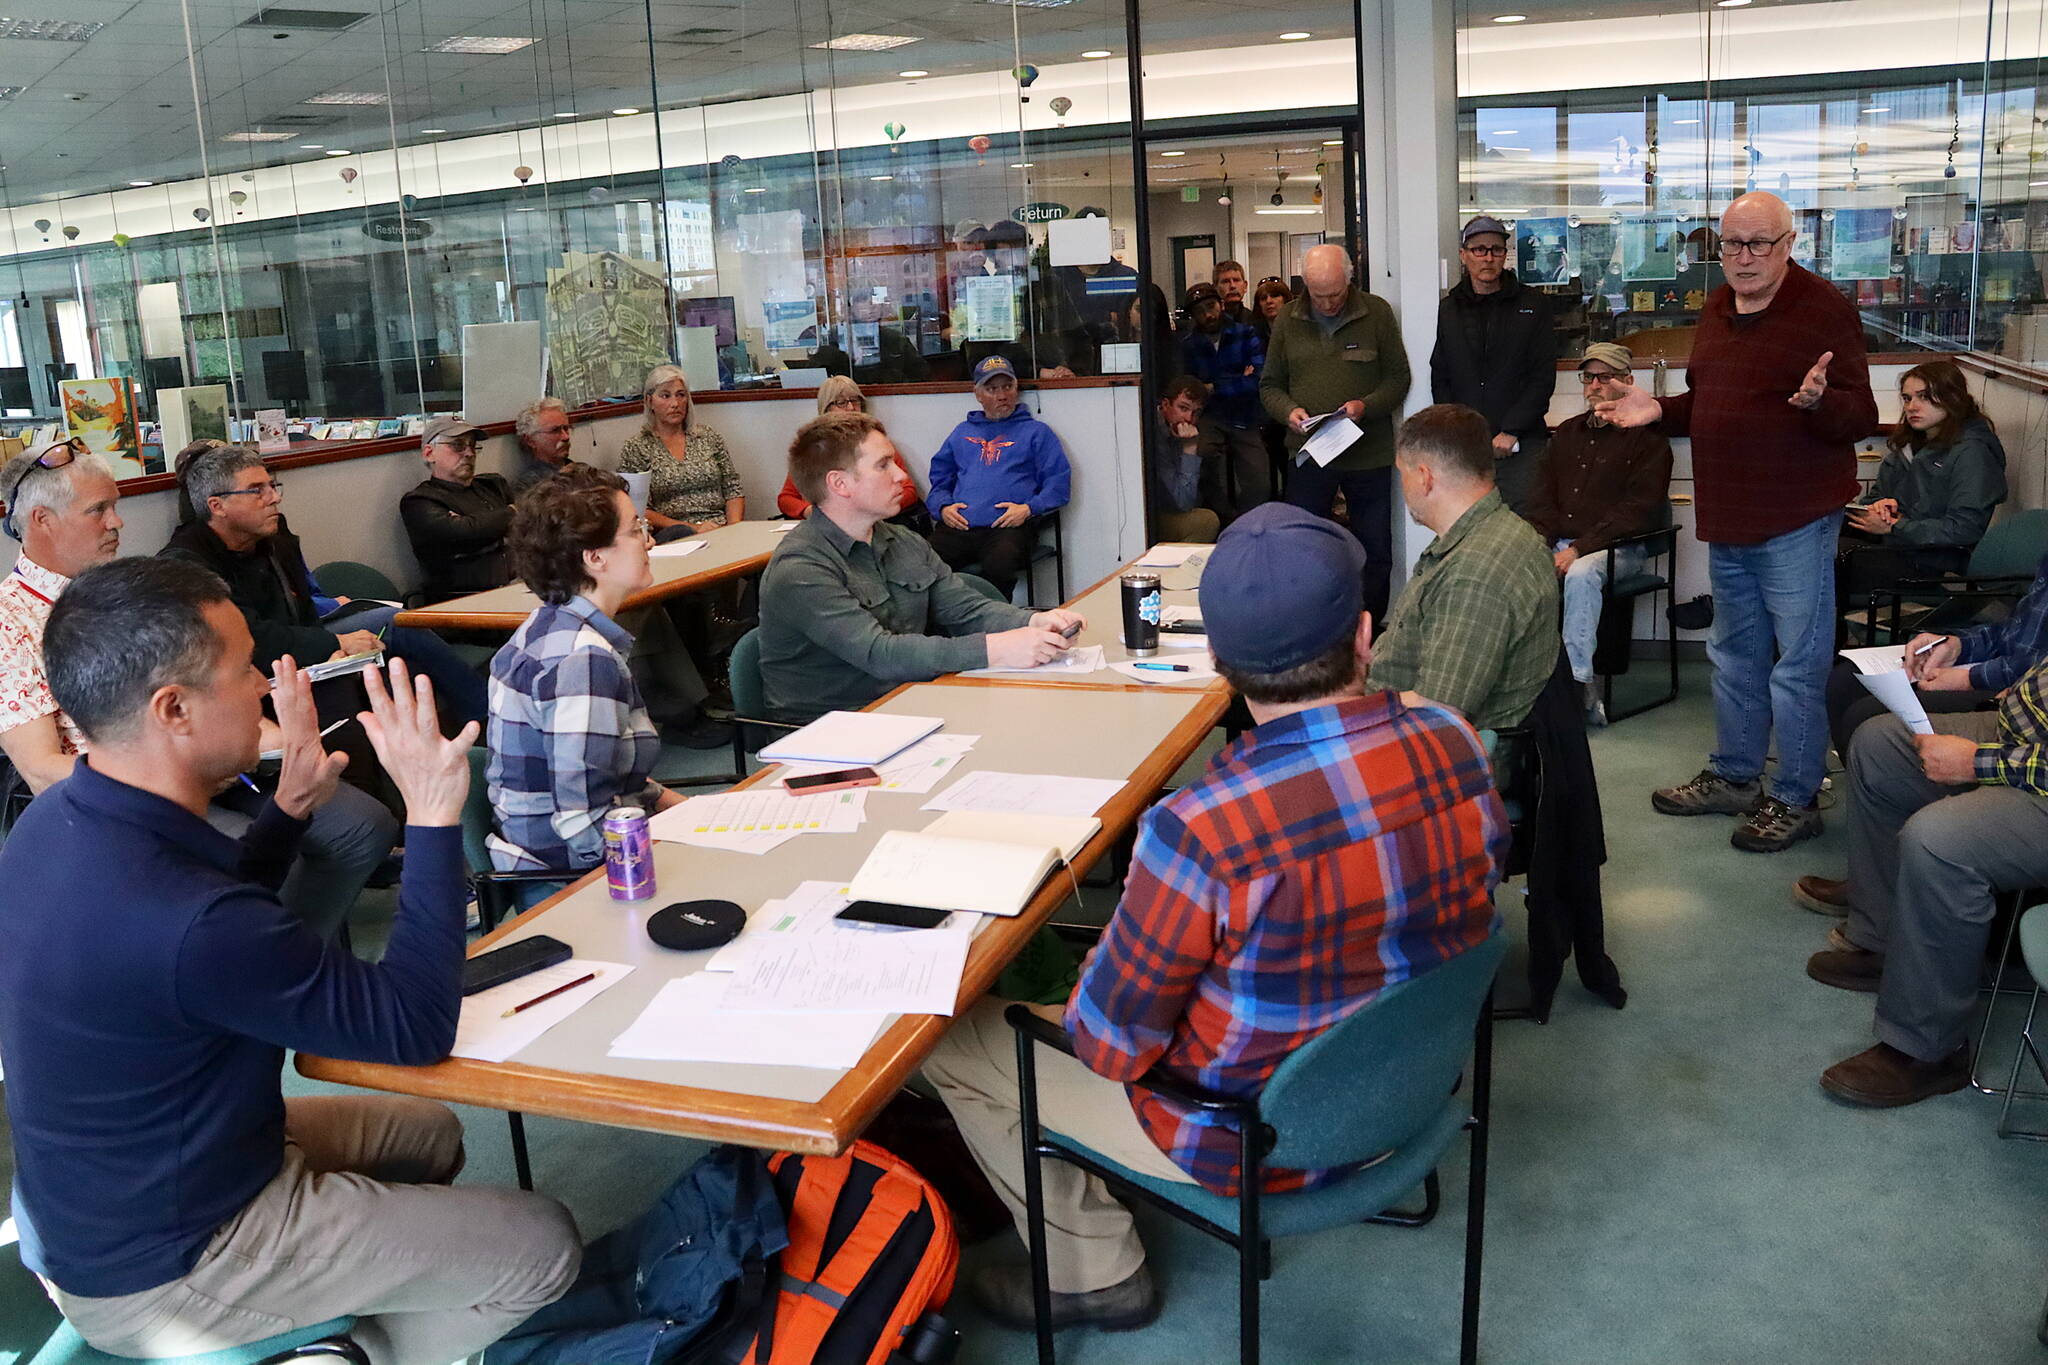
734 551
1140 736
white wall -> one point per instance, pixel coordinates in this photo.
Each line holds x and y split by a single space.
349 509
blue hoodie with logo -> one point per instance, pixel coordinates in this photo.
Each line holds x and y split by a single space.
985 462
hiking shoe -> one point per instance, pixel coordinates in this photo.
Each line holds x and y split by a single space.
1848 969
1003 1292
1774 827
1707 794
1822 895
1883 1077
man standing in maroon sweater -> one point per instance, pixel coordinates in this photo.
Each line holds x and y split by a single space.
1778 394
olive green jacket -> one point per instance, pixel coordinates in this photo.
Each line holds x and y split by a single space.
1362 359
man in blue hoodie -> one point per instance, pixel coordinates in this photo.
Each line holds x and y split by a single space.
1000 470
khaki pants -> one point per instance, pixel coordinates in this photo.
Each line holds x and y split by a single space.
360 1220
1197 527
1091 1242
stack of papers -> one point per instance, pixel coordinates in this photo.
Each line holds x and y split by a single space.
757 819
915 971
1086 659
1181 668
1168 556
812 911
484 1034
685 1022
1882 669
1333 436
676 549
850 739
917 769
1026 793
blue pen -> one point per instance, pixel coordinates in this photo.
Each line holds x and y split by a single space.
1163 668
249 784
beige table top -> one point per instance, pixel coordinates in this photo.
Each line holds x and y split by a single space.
1102 607
1077 731
729 552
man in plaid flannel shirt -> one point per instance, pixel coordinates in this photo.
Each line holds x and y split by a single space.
1939 824
1349 842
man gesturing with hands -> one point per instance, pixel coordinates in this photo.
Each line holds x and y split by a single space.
1779 393
173 1200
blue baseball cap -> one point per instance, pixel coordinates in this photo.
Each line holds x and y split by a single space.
1281 588
990 367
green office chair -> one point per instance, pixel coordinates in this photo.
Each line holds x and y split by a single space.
496 892
2001 568
751 727
322 1341
1389 1078
347 578
980 585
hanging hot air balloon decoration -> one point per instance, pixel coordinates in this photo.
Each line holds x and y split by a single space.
1025 74
893 130
237 198
70 234
1060 105
121 239
202 214
42 225
730 161
410 202
979 145
522 173
348 175
598 194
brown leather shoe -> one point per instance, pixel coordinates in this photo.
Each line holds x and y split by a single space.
1822 895
1003 1292
1882 1077
1856 969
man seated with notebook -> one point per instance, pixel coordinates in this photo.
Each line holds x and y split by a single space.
1348 842
239 504
171 1197
853 604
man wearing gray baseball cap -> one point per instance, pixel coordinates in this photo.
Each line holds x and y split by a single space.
1496 352
1318 914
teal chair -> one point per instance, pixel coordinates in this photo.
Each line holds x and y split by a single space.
496 891
1385 1079
2001 568
348 578
980 585
751 727
322 1341
2032 931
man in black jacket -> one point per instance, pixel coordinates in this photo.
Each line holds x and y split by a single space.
236 533
456 518
1496 352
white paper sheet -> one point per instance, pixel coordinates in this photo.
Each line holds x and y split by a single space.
913 972
1168 556
1086 659
676 549
852 738
1036 793
1192 668
685 1023
484 1034
1895 690
916 770
762 810
1172 615
1877 658
812 912
1331 439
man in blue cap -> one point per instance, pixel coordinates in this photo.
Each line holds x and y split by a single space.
1220 893
996 475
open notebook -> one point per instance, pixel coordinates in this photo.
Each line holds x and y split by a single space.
989 862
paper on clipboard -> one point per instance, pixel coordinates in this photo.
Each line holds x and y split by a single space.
1895 690
1332 438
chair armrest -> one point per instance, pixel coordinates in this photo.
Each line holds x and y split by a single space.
530 875
1039 1030
1667 535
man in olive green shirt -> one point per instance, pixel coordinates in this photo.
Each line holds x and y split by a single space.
1340 348
848 598
1476 627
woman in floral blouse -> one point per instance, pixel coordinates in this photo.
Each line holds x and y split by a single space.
694 483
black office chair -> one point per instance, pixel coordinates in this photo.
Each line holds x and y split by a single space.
1052 548
1615 641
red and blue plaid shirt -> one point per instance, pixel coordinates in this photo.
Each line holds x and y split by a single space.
1319 859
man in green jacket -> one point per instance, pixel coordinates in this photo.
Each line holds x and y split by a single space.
1339 349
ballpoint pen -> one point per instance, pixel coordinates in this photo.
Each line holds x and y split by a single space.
1164 668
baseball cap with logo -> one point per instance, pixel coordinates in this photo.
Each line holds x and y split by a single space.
992 367
449 430
1198 292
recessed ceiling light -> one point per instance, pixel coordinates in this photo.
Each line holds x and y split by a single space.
1295 36
1097 54
252 135
866 42
1730 4
311 146
140 184
881 177
339 151
350 97
1878 109
621 113
1022 165
1516 18
1504 132
479 46
1333 142
912 75
1684 122
566 113
427 132
757 189
1288 209
1173 154
49 30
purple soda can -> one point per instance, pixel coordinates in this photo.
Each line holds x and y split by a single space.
628 854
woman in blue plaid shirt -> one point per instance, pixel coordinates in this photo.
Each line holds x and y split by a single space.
570 737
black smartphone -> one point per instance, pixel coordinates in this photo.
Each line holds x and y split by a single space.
511 962
1191 626
1072 629
834 781
898 916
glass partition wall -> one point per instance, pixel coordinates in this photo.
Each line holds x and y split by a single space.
1908 137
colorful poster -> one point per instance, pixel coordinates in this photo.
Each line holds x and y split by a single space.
1862 244
101 412
607 324
198 413
1543 251
788 324
273 434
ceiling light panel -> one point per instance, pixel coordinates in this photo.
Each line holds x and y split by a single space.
258 135
49 30
350 97
1033 4
326 20
866 42
476 46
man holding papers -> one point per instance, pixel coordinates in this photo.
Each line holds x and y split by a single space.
853 604
1346 843
1339 352
1939 823
175 1201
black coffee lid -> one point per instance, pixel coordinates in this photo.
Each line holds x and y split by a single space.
691 926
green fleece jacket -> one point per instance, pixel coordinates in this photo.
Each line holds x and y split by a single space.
1363 358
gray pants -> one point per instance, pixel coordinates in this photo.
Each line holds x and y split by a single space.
361 1220
348 836
1242 450
666 675
1924 863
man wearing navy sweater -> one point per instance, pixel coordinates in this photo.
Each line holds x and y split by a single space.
173 1201
998 472
1778 395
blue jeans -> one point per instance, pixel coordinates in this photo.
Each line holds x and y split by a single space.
1583 584
1778 595
459 690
